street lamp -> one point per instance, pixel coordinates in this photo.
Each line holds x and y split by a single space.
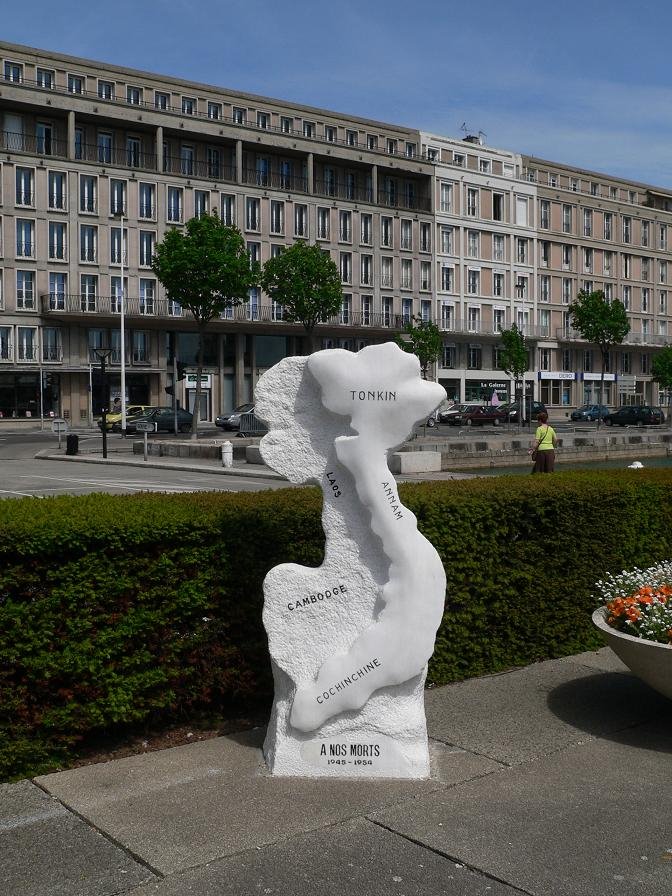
122 316
103 354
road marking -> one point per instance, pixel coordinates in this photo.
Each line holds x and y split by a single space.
5 491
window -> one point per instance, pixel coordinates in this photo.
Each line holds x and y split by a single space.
75 84
645 233
566 218
117 197
214 111
662 301
52 347
277 217
252 214
26 338
498 284
447 278
286 124
608 291
474 357
662 272
371 141
201 203
174 205
386 305
57 183
301 220
187 157
88 192
425 237
309 129
254 251
44 138
544 253
498 320
147 240
627 265
410 150
146 201
57 241
553 180
473 243
447 317
228 210
147 294
58 289
567 290
25 238
646 298
79 143
662 236
627 229
367 309
406 240
406 310
449 359
106 90
607 258
588 260
544 288
161 101
263 120
366 270
425 276
544 214
386 231
13 72
645 362
406 273
329 133
446 197
645 268
263 169
627 297
521 211
238 115
574 184
497 206
345 226
44 78
472 202
329 181
346 309
366 229
134 96
386 272
213 161
608 225
473 282
567 258
521 287
447 240
188 105
323 216
25 290
88 243
88 292
140 343
587 222
345 266
458 159
521 250
104 148
25 186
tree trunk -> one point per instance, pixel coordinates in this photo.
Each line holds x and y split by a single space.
601 395
199 375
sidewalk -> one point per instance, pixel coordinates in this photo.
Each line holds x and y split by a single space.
552 780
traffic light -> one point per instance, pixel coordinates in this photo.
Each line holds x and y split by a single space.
178 373
181 370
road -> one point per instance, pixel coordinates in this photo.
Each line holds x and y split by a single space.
23 475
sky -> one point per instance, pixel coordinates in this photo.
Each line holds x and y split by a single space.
584 83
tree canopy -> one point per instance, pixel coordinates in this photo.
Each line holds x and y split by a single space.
206 268
304 280
661 370
515 357
423 339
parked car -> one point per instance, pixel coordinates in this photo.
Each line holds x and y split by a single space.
512 408
448 415
147 409
164 419
232 419
477 415
590 412
635 415
114 418
435 416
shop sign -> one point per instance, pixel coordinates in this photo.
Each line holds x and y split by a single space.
608 377
557 375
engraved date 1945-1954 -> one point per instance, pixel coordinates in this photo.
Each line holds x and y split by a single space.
334 485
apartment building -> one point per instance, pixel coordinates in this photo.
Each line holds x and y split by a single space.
599 232
98 161
485 261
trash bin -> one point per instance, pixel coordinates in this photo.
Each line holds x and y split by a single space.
72 444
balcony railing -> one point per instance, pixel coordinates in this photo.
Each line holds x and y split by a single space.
37 146
470 328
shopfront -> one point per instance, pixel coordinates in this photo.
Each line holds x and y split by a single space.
20 394
590 389
482 390
557 388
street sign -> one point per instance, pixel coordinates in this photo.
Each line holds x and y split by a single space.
59 425
142 426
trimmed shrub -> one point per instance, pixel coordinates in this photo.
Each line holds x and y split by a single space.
118 610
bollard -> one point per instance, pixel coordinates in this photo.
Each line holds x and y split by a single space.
227 454
72 444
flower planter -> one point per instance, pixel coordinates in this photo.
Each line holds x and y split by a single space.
648 660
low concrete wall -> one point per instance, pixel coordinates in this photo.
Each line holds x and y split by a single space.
415 462
208 448
253 454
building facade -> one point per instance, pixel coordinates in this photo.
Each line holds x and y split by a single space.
98 161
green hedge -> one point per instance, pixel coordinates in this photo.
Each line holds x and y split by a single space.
117 610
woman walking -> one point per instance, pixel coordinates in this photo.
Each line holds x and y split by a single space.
543 448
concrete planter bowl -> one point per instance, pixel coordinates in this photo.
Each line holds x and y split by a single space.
648 660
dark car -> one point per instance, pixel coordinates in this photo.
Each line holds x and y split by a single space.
590 412
448 414
635 415
512 408
232 419
164 420
476 415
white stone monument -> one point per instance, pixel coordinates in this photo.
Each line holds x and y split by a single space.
350 639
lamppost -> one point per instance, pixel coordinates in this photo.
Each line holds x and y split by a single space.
122 320
103 354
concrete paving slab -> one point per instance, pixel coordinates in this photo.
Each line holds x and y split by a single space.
355 857
520 715
180 808
48 851
591 820
604 659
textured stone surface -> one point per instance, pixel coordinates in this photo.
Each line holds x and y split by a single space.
350 639
45 850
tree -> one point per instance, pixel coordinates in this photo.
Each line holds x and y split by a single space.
601 323
422 338
661 373
304 280
205 268
515 358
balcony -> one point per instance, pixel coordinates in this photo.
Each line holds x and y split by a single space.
34 146
471 328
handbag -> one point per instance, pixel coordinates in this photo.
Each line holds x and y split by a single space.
535 451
